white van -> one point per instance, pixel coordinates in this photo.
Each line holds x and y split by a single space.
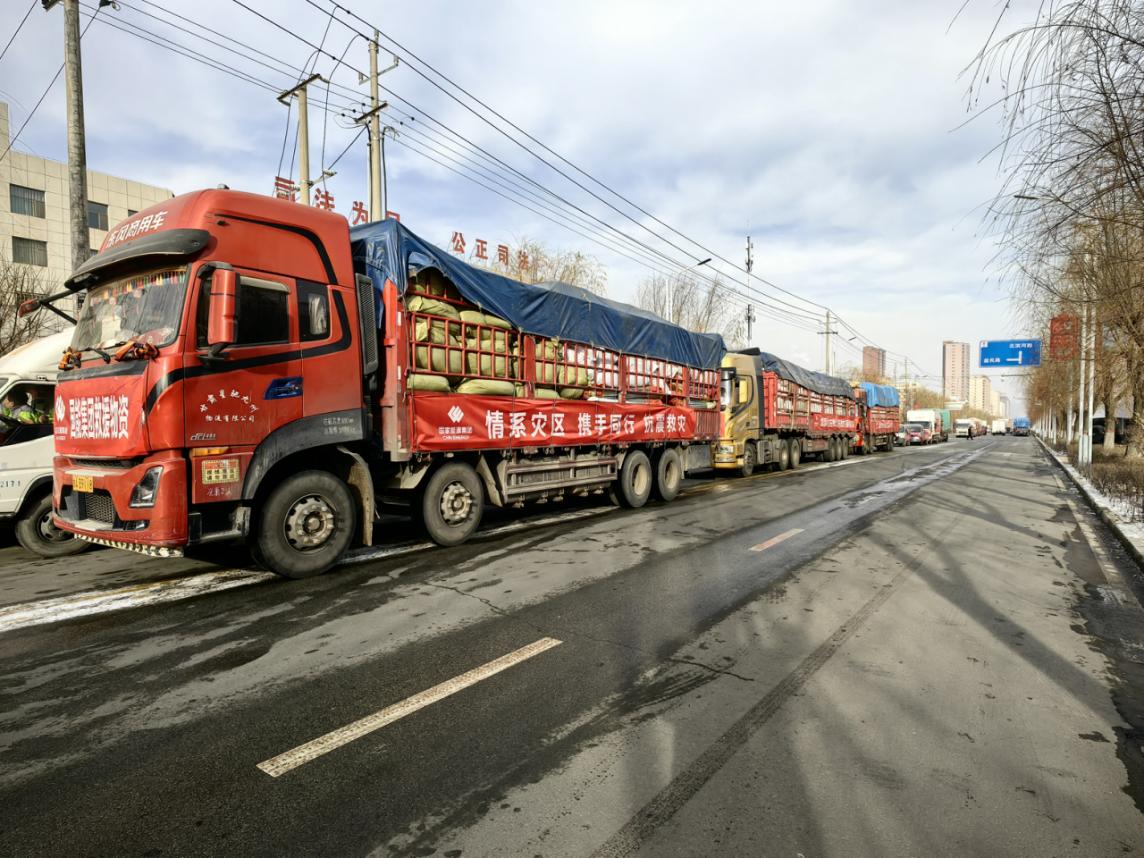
26 450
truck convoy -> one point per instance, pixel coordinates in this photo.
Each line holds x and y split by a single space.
776 413
245 368
27 377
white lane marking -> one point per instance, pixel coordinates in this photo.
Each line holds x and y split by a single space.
775 540
137 595
335 739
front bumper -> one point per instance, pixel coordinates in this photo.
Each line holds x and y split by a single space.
728 454
105 516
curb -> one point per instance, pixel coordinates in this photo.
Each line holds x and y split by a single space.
1114 522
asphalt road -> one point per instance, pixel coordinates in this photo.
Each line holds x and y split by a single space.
931 652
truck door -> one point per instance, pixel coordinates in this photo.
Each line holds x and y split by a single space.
255 387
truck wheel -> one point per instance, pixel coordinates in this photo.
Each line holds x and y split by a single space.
828 453
867 445
844 443
635 479
750 459
668 474
36 532
305 525
451 503
795 452
784 456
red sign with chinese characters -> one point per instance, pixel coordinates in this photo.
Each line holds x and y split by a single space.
447 422
1063 337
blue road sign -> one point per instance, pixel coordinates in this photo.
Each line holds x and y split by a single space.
1010 353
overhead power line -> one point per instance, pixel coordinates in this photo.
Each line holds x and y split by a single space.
19 27
36 106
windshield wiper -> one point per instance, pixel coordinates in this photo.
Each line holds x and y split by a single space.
106 357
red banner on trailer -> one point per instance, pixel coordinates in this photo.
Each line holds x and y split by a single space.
449 422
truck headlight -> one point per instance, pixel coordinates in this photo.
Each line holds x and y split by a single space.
143 495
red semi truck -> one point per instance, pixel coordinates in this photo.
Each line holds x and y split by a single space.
776 413
879 417
248 369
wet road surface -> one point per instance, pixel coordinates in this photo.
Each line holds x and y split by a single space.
929 652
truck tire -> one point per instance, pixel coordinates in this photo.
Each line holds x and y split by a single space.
828 453
867 445
844 445
750 459
36 532
795 452
305 525
783 457
451 503
635 480
668 474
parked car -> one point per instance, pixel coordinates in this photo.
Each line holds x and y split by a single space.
916 433
900 436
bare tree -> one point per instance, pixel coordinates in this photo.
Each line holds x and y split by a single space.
1070 210
18 283
698 305
535 263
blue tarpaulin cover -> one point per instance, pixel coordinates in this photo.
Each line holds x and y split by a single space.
881 395
817 381
388 250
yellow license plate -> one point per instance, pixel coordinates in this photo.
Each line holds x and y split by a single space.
83 484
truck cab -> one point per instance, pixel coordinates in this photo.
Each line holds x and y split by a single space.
181 396
28 377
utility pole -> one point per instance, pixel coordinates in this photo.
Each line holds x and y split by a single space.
299 91
827 333
376 204
750 309
77 141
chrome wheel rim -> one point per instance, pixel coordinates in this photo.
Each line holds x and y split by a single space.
310 523
456 503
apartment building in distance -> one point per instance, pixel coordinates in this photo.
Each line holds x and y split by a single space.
35 229
873 362
955 371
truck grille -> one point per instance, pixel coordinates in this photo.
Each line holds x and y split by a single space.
94 506
99 506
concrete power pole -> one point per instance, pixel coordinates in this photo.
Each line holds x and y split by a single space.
827 333
376 199
299 91
77 143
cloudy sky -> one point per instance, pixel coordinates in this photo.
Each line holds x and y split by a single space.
829 130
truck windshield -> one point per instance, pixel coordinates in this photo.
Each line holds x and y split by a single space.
144 307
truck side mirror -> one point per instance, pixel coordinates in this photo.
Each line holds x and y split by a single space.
28 307
222 323
726 386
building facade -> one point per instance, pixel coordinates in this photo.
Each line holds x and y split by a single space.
955 371
981 393
35 229
873 362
